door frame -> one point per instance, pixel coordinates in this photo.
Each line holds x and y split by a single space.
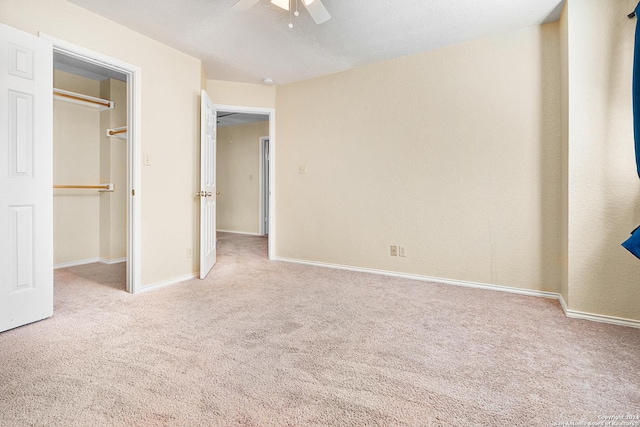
134 97
264 198
271 112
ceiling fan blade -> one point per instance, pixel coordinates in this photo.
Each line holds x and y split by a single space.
243 5
318 12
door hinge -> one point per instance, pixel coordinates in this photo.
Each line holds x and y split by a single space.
133 192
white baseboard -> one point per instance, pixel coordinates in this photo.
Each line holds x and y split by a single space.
76 263
88 261
613 320
240 232
112 261
158 285
542 294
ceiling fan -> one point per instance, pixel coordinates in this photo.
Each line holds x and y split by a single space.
315 8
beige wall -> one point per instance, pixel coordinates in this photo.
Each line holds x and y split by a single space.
564 149
203 78
238 177
76 160
113 169
171 82
241 94
452 153
507 160
604 195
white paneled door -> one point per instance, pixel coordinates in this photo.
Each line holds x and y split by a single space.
207 191
26 195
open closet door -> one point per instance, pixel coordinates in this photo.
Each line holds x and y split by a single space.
26 183
207 191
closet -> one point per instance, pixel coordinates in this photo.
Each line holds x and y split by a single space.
89 165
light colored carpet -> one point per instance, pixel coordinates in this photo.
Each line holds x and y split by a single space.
262 343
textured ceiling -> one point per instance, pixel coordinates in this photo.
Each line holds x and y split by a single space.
251 45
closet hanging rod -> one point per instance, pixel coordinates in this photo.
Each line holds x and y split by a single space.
103 103
118 131
103 187
65 95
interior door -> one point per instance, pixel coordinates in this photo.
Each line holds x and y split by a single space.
26 183
207 191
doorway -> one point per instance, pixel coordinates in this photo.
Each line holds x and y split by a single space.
264 185
121 135
245 175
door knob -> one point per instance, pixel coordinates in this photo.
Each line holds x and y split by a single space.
204 194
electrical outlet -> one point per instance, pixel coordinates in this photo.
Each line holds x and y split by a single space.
147 160
402 251
394 250
302 169
189 253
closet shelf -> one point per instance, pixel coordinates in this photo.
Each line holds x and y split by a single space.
120 132
78 98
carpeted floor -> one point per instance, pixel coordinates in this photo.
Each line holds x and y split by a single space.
262 343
